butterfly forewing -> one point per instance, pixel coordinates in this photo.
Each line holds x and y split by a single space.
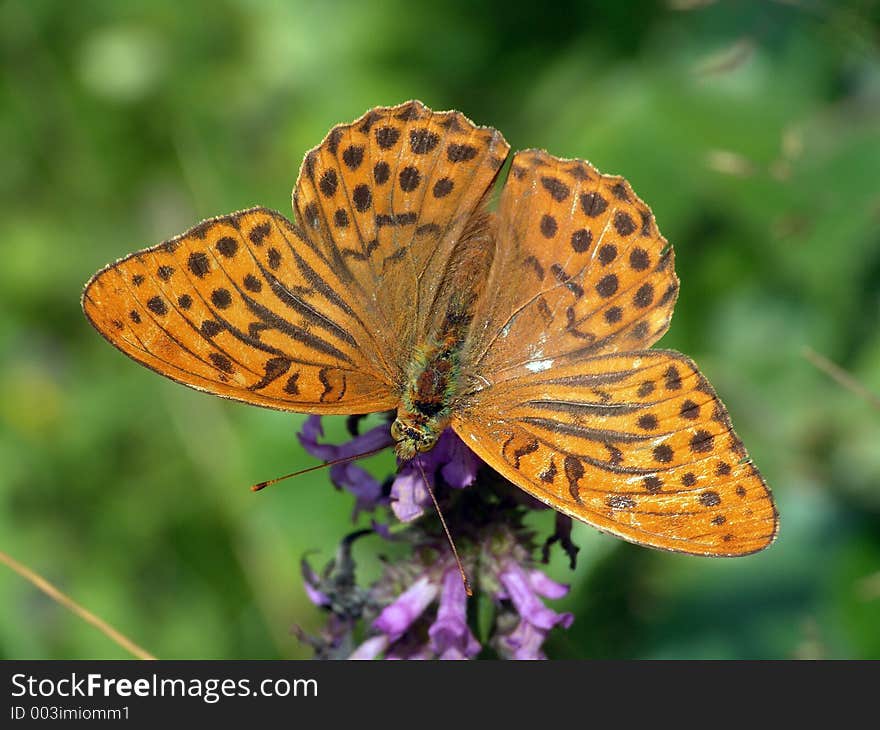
243 306
580 269
321 316
389 196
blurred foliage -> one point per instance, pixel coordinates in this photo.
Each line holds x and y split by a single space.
751 128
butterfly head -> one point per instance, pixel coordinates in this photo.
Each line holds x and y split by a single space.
413 435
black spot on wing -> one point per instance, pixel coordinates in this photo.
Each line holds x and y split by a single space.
574 472
275 367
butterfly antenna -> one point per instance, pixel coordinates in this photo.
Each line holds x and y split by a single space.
464 579
262 485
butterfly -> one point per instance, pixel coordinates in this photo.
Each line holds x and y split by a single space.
526 330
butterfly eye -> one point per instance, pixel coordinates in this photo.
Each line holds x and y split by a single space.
396 430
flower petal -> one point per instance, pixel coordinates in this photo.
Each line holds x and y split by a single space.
315 596
397 617
309 434
461 464
409 498
524 642
450 631
359 482
371 648
351 477
453 654
313 429
545 586
526 601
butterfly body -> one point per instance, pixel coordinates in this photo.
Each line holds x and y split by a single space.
433 383
426 398
526 330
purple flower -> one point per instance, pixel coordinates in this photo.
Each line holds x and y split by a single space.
417 609
395 639
523 643
522 622
396 618
457 464
523 589
545 586
349 476
371 648
451 638
408 494
524 596
401 623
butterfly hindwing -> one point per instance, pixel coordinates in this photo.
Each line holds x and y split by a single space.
636 444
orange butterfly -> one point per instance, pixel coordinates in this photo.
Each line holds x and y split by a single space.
524 330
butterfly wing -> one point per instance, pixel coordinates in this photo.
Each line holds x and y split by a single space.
636 444
580 269
242 306
316 317
567 402
390 195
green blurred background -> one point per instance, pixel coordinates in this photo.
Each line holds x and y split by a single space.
752 129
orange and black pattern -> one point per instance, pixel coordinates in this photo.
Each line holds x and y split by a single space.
539 316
